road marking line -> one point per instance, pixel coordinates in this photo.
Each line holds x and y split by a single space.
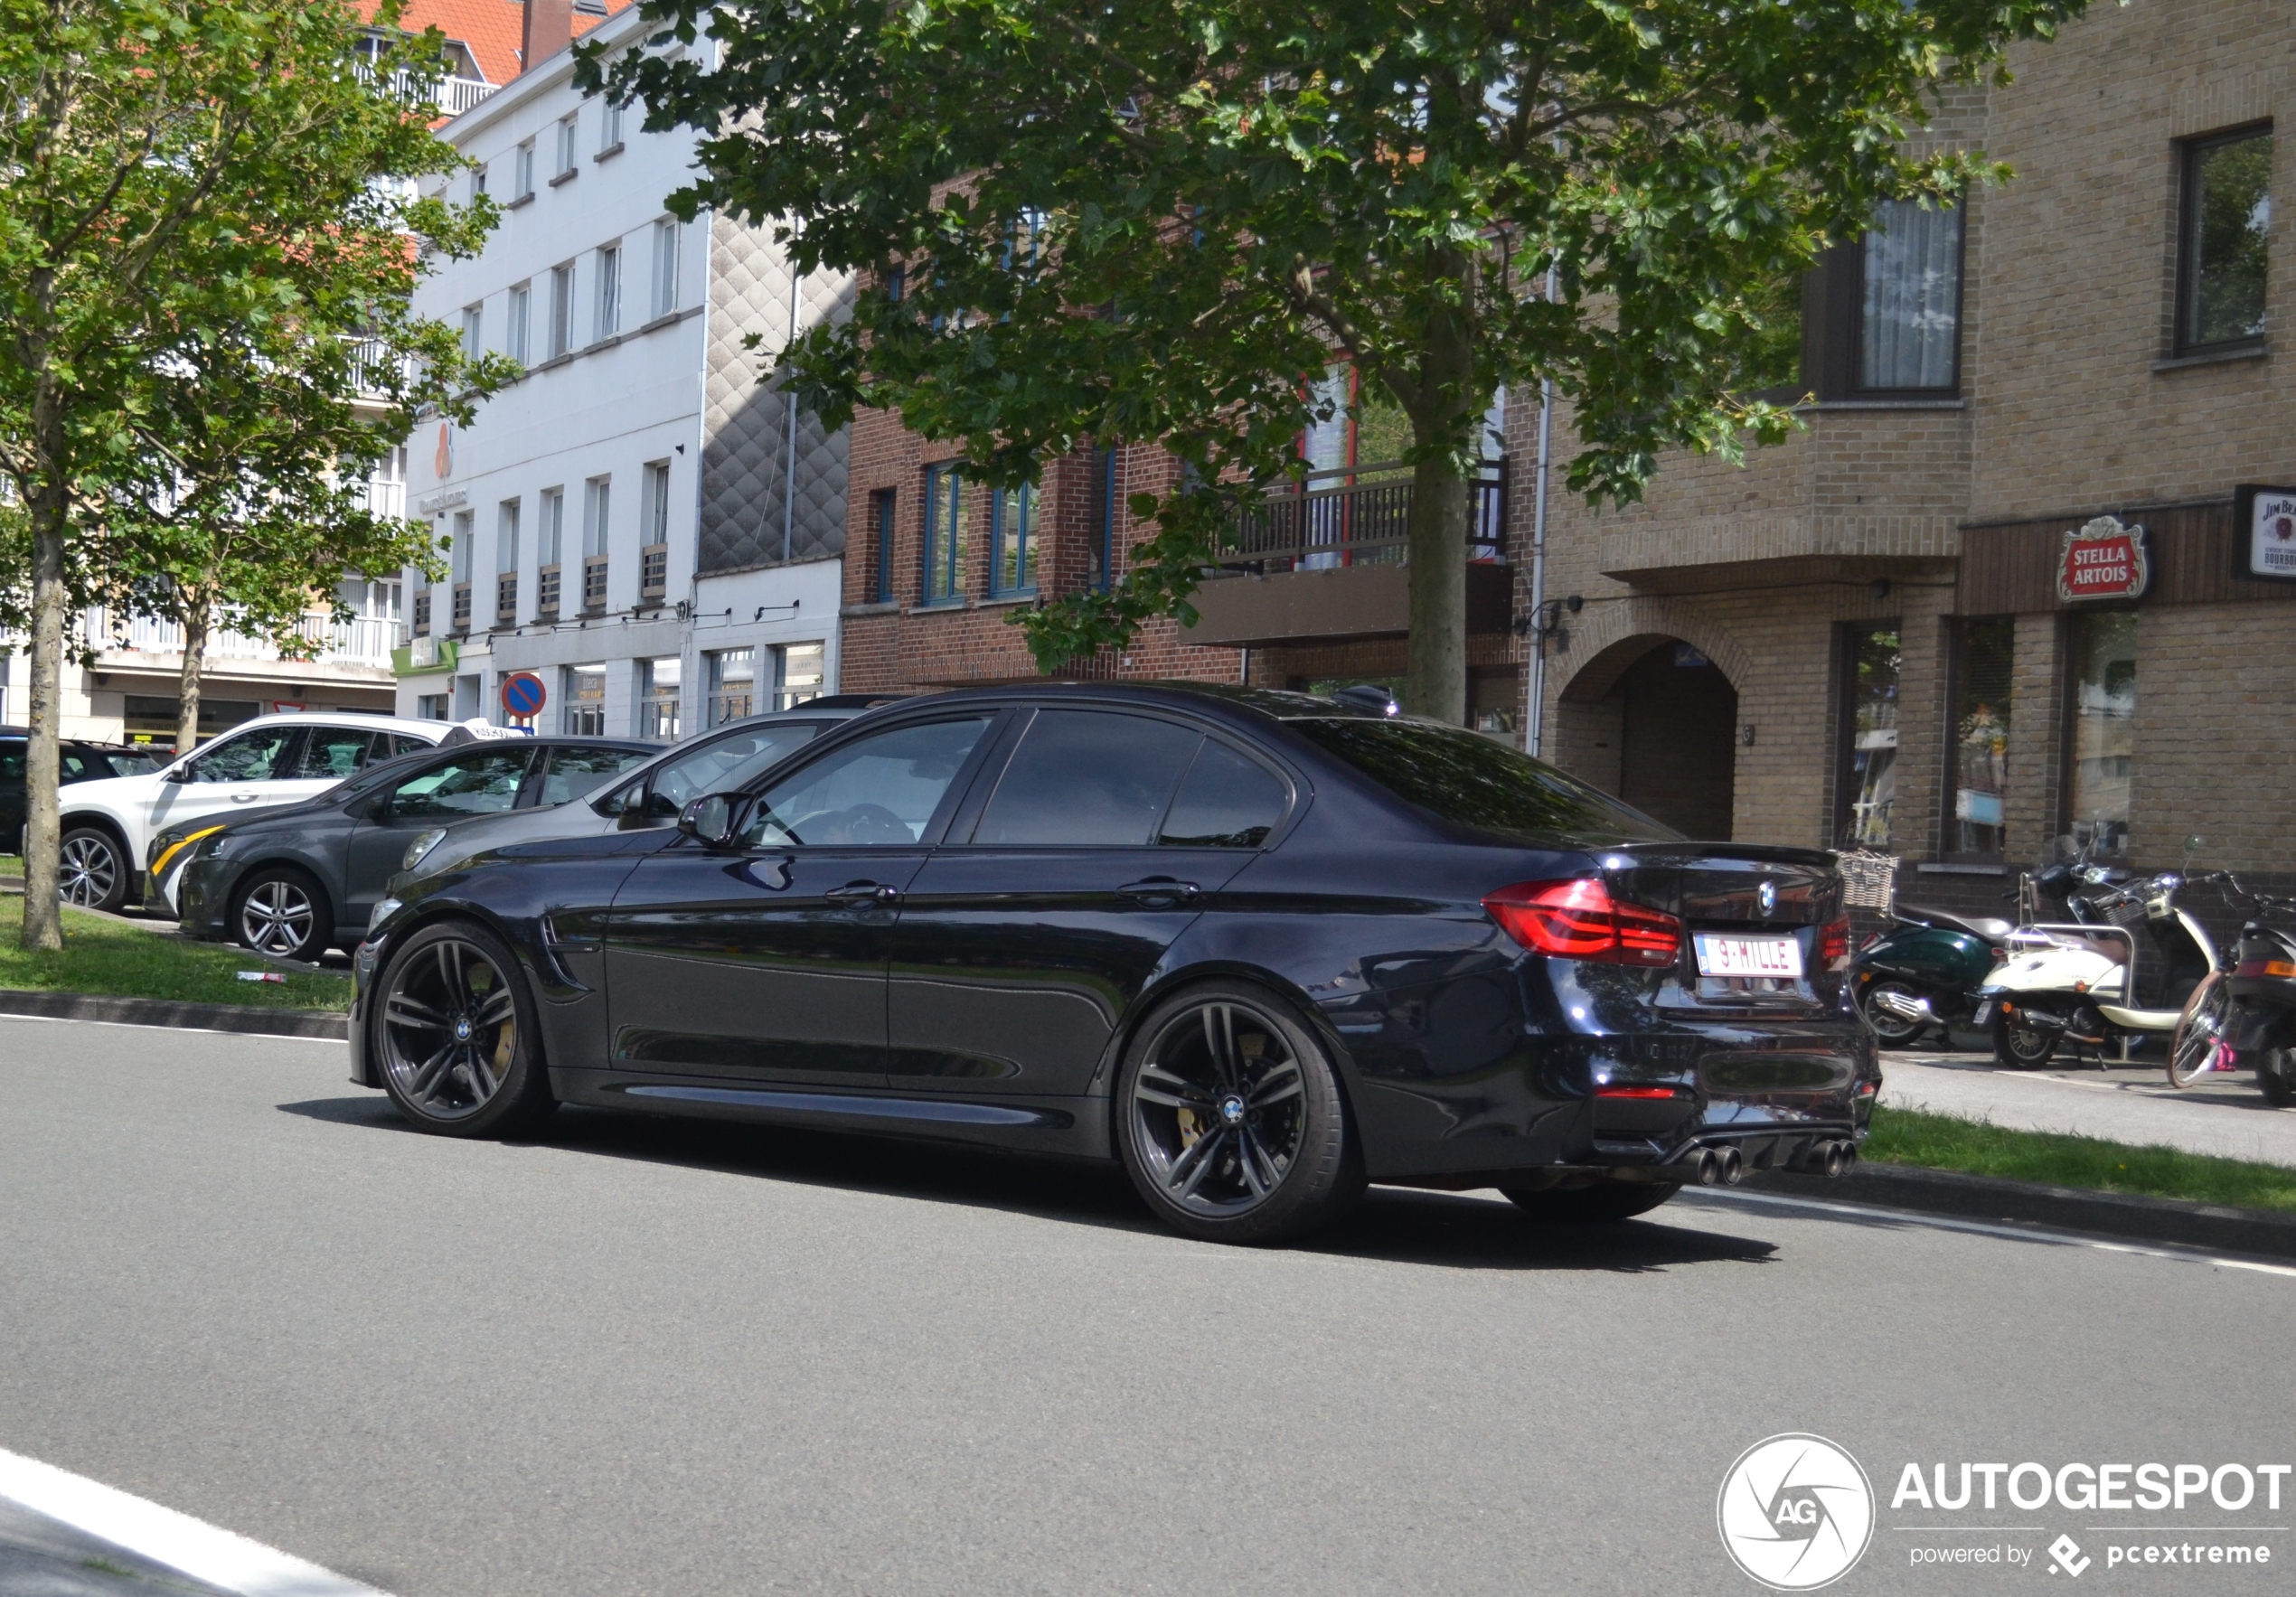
195 1030
2016 1232
203 1551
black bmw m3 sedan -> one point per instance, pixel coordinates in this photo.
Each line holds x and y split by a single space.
1263 948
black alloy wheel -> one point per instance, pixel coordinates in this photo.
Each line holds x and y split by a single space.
1230 1119
2022 1047
1602 1203
1893 1031
454 1034
90 873
282 913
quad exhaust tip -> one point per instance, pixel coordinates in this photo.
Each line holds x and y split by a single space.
1714 1166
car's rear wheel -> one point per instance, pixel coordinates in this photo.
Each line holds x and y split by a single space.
1601 1204
91 872
454 1032
1230 1119
282 913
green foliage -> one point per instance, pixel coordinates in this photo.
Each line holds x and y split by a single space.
1150 219
1942 1141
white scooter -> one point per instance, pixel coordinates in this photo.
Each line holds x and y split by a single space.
2118 981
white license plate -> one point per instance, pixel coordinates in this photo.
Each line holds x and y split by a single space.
1779 958
1984 1013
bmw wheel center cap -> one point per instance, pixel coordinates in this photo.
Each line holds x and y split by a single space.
1231 1109
462 1031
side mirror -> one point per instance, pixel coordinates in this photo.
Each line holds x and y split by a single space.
715 820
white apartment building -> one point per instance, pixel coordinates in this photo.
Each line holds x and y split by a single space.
637 519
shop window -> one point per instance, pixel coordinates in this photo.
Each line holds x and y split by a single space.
585 700
944 536
796 674
2225 239
658 686
1493 702
733 684
1866 777
1984 655
2102 719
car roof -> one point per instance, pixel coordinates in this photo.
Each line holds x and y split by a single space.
1223 700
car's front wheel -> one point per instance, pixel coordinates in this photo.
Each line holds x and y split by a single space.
283 913
91 873
1230 1119
455 1033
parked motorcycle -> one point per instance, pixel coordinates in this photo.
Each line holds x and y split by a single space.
2244 1015
2126 977
1928 969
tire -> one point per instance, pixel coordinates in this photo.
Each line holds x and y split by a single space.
2020 1048
282 913
455 1037
1231 1119
2192 1050
2279 1085
92 869
1605 1203
1891 1030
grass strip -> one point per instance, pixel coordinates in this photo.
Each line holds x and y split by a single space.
1978 1148
104 956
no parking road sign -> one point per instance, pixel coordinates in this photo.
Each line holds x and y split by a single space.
523 695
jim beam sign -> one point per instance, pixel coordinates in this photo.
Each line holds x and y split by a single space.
2266 537
2102 561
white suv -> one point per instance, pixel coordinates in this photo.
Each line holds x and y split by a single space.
274 759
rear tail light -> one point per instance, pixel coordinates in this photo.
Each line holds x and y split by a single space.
1638 1092
1580 920
2257 970
1833 943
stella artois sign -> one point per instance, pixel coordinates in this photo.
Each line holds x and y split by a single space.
2266 534
2102 561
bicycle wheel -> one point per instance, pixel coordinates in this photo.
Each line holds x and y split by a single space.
2194 1050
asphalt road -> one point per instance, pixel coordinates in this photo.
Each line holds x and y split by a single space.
650 1358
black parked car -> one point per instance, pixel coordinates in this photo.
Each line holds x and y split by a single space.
79 761
294 880
1258 946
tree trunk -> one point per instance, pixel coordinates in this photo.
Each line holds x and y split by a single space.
1436 671
195 626
43 925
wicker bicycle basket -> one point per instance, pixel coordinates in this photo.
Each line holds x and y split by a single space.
1868 879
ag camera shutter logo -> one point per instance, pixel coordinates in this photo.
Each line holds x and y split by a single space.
1796 1512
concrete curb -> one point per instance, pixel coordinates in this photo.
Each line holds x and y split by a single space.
180 1015
2210 1227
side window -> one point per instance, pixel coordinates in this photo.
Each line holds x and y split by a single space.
879 792
1228 801
12 758
251 757
575 771
402 744
1085 778
478 784
71 766
722 765
332 753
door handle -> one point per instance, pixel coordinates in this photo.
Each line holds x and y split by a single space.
245 798
862 893
1161 890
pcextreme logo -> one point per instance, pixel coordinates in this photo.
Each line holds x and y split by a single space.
1796 1512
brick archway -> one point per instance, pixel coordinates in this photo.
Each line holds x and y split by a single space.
1606 624
1656 728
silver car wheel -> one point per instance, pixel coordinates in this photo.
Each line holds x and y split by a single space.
276 918
87 871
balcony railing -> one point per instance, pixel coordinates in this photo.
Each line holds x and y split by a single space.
653 570
364 640
1355 516
372 364
546 594
506 599
386 498
451 96
593 582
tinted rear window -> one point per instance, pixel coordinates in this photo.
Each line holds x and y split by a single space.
1468 779
1088 778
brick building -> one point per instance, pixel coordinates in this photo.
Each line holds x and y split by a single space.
1861 636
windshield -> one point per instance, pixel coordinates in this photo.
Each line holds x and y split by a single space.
1466 778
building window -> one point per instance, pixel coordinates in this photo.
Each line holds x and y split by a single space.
658 698
609 291
1866 780
506 563
1984 655
733 685
1012 556
1910 310
881 519
561 309
585 697
2224 238
610 126
569 126
598 503
474 331
944 536
430 707
665 268
2104 682
1100 539
796 674
522 172
653 530
522 300
460 564
548 539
